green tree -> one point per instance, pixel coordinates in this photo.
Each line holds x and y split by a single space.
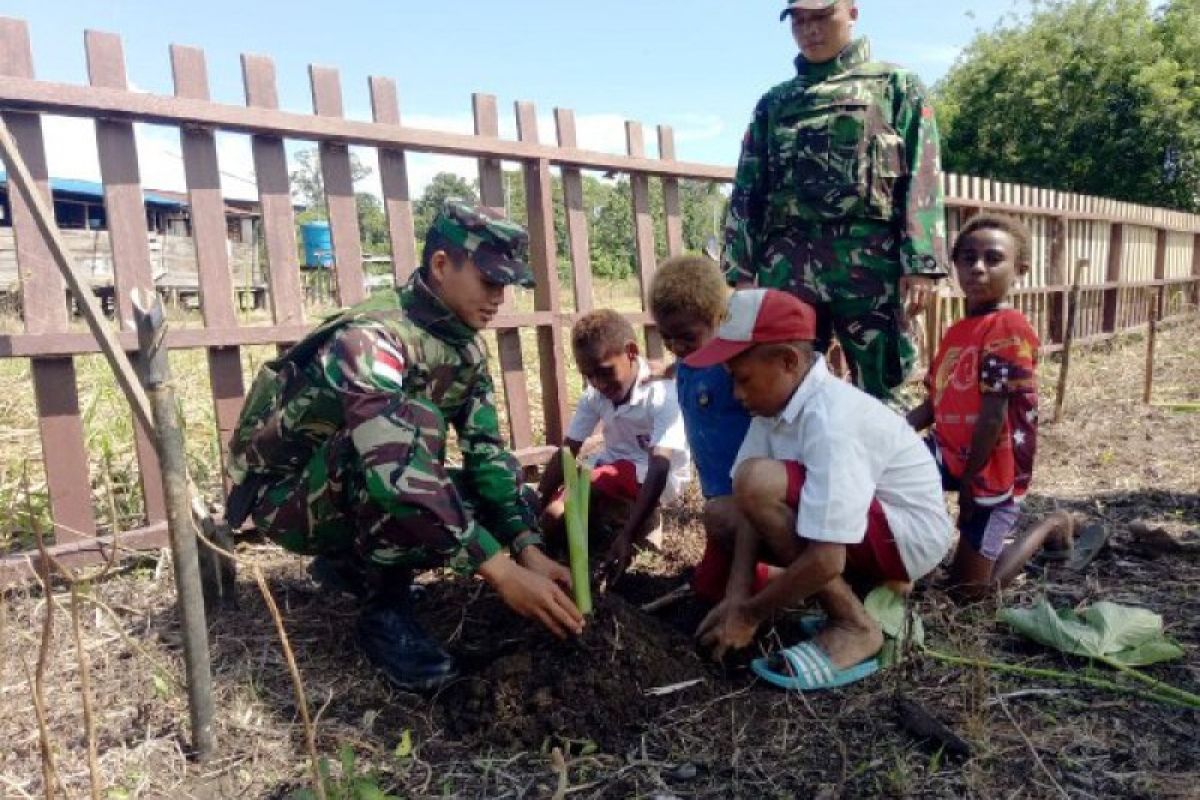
1093 96
443 186
372 224
308 185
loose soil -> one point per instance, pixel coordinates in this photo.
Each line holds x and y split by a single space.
523 694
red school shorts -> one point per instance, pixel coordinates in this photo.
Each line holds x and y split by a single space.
876 556
617 480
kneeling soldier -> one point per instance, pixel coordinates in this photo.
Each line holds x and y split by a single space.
340 451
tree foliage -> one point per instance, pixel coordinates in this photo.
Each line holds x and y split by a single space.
308 185
1093 96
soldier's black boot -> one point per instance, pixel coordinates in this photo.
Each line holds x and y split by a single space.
389 634
339 573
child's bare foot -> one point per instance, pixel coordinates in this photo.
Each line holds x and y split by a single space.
1061 537
848 643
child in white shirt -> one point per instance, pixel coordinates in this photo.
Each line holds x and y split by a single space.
829 483
645 458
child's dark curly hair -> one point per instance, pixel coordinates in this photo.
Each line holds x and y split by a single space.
1000 222
689 285
602 333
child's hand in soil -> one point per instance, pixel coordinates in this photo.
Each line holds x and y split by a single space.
727 627
616 561
532 595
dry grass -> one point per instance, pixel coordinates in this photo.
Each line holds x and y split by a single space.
1112 458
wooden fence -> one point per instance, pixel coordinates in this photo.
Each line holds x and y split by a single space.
1131 249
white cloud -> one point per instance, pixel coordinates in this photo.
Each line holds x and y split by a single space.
71 153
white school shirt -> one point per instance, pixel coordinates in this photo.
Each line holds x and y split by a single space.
854 449
649 418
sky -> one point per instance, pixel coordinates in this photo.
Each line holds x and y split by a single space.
698 66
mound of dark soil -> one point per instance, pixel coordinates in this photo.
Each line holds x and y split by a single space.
522 687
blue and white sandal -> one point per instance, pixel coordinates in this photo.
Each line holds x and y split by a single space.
807 668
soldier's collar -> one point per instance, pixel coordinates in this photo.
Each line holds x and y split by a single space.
853 54
423 307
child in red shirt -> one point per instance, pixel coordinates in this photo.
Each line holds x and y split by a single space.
983 407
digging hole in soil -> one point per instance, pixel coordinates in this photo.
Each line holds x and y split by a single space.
523 688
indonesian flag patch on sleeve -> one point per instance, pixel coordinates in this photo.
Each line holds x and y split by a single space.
387 365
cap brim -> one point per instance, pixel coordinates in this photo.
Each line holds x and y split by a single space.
717 351
508 271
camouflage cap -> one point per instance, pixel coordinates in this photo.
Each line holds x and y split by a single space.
498 246
806 5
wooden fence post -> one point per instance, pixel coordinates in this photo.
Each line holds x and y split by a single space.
1068 337
155 377
1112 275
44 310
1056 276
643 231
1196 269
126 209
1153 303
543 254
508 340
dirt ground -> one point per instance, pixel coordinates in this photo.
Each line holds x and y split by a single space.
492 734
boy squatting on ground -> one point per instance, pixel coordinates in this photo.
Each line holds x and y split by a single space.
983 406
829 484
688 298
645 457
340 449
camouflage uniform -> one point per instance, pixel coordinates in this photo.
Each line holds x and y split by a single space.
342 441
837 195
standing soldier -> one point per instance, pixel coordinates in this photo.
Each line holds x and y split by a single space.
838 198
340 451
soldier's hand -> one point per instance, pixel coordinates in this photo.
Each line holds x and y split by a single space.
532 595
915 291
532 558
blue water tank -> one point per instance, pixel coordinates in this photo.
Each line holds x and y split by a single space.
318 244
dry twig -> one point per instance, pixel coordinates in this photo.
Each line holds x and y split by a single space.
310 738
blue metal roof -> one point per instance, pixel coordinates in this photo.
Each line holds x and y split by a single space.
92 189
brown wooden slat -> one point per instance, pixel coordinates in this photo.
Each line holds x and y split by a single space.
508 342
1112 274
539 200
393 177
64 454
21 568
1196 269
203 177
55 388
1160 270
671 204
275 197
23 345
339 190
126 212
643 230
576 215
71 100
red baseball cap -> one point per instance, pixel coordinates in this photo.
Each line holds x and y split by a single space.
757 316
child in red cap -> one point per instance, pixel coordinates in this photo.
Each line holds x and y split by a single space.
830 485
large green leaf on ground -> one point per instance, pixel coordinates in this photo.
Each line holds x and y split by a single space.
888 609
1108 631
